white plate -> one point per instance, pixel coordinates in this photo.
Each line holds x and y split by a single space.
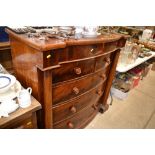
6 81
12 92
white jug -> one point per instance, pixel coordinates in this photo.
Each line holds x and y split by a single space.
24 97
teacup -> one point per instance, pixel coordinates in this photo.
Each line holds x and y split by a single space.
24 98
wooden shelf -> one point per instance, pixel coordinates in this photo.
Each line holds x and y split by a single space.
123 68
4 45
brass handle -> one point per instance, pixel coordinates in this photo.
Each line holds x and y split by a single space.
103 76
77 70
73 109
48 56
99 92
70 125
107 60
92 51
76 90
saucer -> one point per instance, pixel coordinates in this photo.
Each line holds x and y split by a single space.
90 35
12 92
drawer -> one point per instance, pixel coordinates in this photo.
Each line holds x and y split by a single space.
67 109
78 120
111 46
73 70
103 61
84 51
74 88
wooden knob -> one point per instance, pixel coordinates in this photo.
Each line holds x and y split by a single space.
99 92
73 109
76 90
77 70
94 106
107 59
103 76
70 125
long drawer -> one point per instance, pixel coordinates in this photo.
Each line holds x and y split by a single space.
77 69
67 109
79 120
77 52
67 90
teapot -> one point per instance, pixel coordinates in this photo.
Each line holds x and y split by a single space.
24 97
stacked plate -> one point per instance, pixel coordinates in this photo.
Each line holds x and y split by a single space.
9 87
66 30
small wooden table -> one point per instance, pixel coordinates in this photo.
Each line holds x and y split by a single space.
22 118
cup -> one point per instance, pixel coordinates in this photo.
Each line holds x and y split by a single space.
24 98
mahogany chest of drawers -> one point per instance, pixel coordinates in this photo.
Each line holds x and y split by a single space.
70 78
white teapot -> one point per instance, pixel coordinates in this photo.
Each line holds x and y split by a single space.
24 98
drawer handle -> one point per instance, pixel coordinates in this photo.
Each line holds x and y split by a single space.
107 60
48 56
76 90
94 106
103 76
70 125
73 109
92 51
99 92
77 70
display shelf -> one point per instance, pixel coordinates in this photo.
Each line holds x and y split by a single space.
123 68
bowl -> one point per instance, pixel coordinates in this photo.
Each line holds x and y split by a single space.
6 82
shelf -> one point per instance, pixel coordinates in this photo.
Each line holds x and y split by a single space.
4 45
122 68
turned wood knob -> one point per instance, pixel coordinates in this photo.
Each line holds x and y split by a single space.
94 106
107 59
77 70
103 76
76 90
48 56
99 92
73 109
70 125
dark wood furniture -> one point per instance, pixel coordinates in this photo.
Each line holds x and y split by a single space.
22 118
5 56
70 78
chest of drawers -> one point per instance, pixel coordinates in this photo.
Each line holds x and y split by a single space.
71 78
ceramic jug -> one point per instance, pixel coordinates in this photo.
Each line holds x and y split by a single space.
24 97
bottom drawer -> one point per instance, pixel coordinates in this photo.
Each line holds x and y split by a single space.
79 120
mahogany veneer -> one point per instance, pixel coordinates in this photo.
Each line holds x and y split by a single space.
70 78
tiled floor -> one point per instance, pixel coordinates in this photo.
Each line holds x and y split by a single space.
135 112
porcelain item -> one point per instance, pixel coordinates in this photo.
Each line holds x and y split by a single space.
8 106
146 34
24 97
11 93
6 82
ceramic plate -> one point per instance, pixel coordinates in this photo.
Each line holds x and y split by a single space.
12 92
4 81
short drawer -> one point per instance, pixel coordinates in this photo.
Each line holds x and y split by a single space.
110 46
73 70
78 120
67 109
74 88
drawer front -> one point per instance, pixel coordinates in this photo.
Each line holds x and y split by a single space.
110 46
74 88
70 108
78 120
73 70
79 52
